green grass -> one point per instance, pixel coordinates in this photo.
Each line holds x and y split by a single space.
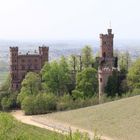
10 129
119 120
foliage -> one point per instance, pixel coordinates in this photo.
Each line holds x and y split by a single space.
124 62
86 82
56 76
7 97
31 85
39 104
76 94
134 75
112 87
65 102
74 63
87 57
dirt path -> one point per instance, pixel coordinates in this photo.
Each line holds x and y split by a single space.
50 124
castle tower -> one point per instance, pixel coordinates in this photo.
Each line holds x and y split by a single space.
14 67
107 62
44 51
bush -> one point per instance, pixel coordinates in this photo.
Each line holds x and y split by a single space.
64 102
76 94
136 91
6 103
39 104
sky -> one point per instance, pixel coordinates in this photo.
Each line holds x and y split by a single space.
68 19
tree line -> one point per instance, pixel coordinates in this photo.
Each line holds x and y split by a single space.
71 82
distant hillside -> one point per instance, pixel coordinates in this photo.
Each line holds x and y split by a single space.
119 119
67 47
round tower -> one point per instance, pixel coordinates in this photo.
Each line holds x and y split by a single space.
44 53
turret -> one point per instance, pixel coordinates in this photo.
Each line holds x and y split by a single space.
106 44
44 53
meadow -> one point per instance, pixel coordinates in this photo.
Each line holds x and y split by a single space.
119 120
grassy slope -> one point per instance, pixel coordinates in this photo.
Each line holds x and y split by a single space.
119 119
10 129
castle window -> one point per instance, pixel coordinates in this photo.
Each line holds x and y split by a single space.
104 54
35 67
17 86
100 79
104 43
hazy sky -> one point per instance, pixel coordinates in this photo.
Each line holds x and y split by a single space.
68 19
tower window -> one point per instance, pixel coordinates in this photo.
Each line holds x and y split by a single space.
104 54
104 43
100 79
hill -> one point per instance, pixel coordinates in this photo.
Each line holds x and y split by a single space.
10 129
119 120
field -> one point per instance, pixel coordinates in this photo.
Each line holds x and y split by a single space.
10 129
119 120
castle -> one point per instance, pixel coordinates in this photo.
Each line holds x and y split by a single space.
106 59
20 64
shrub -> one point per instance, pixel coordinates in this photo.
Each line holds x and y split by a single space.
64 102
76 94
39 104
6 103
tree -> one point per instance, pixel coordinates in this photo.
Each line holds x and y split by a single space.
39 104
56 76
87 82
31 85
7 97
112 87
134 75
87 57
73 63
124 62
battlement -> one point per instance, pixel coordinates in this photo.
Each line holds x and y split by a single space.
13 49
106 70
